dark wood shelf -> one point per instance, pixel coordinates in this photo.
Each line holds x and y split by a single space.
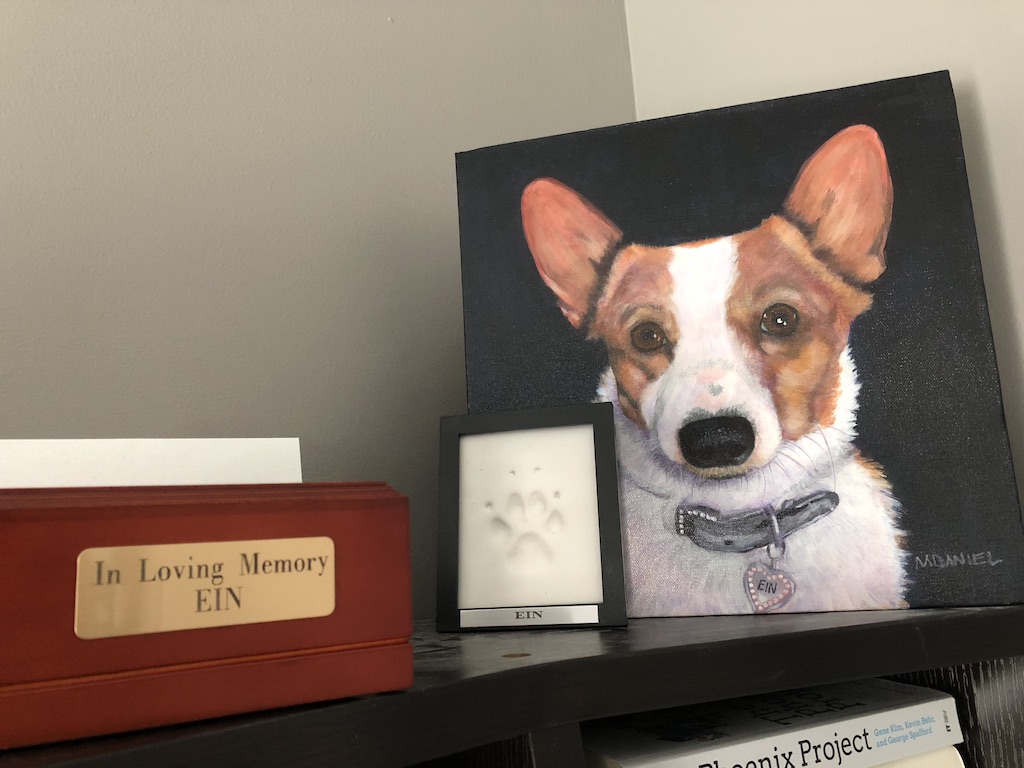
475 689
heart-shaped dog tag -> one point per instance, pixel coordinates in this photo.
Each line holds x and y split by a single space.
767 588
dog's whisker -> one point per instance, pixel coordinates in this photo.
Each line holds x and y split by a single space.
842 434
786 455
789 476
805 452
828 449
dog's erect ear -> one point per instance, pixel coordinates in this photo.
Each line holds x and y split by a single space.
842 201
569 238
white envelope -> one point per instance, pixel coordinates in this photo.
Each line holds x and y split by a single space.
79 463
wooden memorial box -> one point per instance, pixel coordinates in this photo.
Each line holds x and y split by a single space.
129 608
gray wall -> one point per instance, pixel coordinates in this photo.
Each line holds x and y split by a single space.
238 219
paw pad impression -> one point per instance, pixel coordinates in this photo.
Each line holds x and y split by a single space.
524 528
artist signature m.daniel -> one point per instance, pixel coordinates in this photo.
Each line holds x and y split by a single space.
955 559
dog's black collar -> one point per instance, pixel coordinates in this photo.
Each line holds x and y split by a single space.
757 529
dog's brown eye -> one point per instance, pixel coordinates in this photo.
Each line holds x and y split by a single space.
780 320
648 337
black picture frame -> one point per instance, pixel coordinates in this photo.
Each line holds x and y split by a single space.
453 616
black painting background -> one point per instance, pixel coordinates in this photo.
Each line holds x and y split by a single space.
930 406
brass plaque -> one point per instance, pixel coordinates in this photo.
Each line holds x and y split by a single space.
165 587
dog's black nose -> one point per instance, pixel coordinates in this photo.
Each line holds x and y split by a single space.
721 441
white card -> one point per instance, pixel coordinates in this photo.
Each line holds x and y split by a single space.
117 462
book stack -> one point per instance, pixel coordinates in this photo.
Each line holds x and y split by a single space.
853 725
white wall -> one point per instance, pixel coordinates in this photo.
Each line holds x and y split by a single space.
238 218
693 55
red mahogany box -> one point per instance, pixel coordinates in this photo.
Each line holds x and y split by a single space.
129 608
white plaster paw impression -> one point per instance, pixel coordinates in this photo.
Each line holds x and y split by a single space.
525 529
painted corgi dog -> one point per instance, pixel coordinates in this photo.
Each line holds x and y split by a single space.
735 393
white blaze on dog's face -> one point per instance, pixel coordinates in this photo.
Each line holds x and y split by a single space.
722 349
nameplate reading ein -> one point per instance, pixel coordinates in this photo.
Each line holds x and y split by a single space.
166 587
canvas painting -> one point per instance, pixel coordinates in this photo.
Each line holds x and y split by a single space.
784 303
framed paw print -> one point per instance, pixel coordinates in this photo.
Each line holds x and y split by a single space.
528 529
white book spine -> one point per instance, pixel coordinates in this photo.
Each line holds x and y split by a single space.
860 742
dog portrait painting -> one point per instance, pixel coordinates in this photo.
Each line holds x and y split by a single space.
771 297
